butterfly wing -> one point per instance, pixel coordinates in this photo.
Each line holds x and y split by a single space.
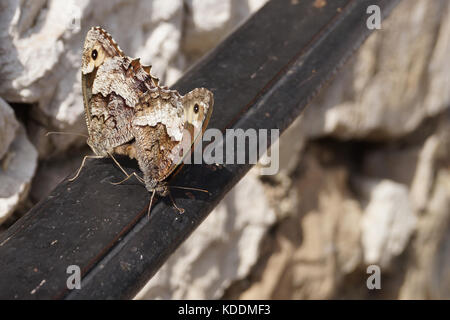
198 106
166 127
111 84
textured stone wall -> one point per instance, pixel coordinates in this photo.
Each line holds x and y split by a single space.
365 171
365 176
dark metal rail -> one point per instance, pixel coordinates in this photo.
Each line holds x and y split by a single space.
262 76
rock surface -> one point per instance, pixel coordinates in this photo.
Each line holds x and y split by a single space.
388 222
427 276
378 140
400 74
18 161
16 172
8 127
316 243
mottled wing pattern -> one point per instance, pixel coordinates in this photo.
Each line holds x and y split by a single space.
165 127
112 84
158 130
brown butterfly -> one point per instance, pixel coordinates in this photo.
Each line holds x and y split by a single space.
128 113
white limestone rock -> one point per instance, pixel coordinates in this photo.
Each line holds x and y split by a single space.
8 127
388 221
16 172
208 21
398 78
424 173
427 276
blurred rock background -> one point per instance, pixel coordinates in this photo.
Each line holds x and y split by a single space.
365 171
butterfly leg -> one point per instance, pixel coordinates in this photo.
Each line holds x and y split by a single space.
82 165
118 164
128 176
150 204
162 190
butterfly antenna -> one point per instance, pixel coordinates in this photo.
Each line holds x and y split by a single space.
188 188
67 133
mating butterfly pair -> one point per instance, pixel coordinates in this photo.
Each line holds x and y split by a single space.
128 113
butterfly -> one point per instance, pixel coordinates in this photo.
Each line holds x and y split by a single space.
128 113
